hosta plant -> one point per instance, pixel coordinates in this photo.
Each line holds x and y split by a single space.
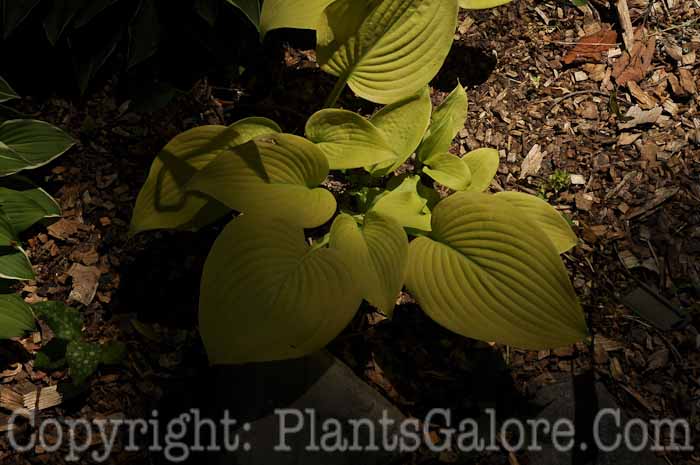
24 144
290 270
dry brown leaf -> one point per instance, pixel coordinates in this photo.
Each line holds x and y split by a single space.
591 47
635 64
63 228
645 100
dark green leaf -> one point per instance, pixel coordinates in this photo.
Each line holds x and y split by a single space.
144 33
14 12
26 144
6 91
83 359
65 322
91 10
250 8
25 204
112 353
16 316
61 14
52 356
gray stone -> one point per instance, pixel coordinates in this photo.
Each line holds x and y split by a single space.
559 401
319 382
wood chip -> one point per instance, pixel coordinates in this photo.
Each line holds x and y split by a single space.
687 81
627 138
639 116
596 72
63 228
646 101
660 197
532 162
85 281
24 396
580 76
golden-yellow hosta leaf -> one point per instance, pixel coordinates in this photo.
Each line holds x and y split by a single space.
485 272
266 295
449 170
481 4
386 50
163 202
295 14
377 253
446 122
272 176
483 164
552 223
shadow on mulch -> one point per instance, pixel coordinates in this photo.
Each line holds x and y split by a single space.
469 66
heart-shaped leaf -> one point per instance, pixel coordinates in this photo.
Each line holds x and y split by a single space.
163 201
266 295
272 176
6 92
347 139
16 317
547 218
27 143
403 123
405 205
449 170
481 4
24 204
386 50
295 14
483 164
377 253
486 273
446 122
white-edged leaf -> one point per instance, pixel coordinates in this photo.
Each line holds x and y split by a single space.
266 295
449 170
16 317
28 143
276 175
386 50
163 202
6 92
14 264
549 220
347 139
405 205
403 124
377 253
294 14
25 204
446 122
483 164
486 273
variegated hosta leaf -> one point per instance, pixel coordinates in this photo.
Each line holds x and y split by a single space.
266 295
163 201
481 4
549 220
485 272
403 123
16 317
405 205
446 122
483 164
377 253
271 176
27 144
295 14
449 170
347 139
25 204
6 91
386 50
14 263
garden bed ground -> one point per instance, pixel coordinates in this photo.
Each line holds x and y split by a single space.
631 188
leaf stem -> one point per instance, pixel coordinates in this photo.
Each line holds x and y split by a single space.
335 93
